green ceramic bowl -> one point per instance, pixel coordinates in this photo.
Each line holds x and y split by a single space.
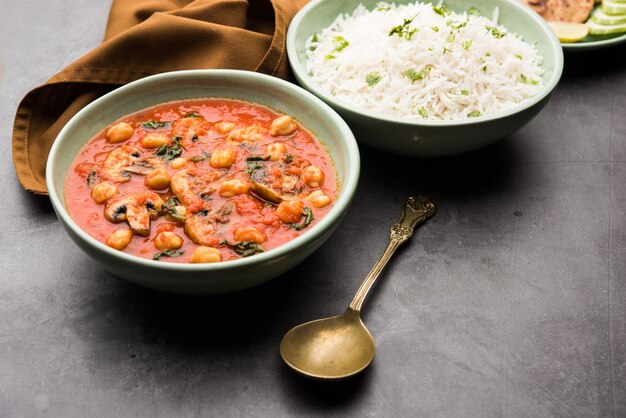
243 85
430 138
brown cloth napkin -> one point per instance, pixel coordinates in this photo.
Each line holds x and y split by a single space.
145 37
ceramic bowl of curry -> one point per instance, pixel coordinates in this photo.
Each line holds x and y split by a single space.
203 181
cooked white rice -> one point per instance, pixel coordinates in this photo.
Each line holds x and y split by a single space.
423 61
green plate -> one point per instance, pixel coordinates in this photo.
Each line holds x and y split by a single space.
593 42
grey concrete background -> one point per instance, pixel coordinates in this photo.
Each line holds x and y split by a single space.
510 302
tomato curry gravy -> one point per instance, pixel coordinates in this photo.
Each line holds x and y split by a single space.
200 181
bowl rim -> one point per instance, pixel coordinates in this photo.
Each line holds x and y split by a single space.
347 188
349 108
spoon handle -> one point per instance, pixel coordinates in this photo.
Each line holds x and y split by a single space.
415 211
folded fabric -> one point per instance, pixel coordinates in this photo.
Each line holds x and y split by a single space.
145 37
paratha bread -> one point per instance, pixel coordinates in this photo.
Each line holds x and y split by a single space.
562 10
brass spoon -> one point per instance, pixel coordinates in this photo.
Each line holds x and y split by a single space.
341 346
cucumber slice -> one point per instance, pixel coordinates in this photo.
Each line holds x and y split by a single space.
598 29
611 7
602 18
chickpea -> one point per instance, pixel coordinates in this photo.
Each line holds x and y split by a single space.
275 151
179 162
251 133
290 211
230 188
283 125
165 227
158 179
250 233
167 240
119 132
154 140
181 211
318 199
313 176
103 192
222 158
120 238
206 255
224 127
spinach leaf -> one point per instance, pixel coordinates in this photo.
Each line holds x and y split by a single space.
245 248
153 124
168 253
169 152
169 208
308 217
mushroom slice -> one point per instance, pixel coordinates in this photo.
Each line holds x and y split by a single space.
271 181
144 166
135 208
193 186
201 227
116 162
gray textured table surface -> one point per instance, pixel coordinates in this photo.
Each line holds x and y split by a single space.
510 302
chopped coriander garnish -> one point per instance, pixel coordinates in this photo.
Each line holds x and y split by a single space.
484 69
473 11
488 54
441 11
383 9
423 112
465 92
340 43
373 78
473 114
457 26
329 57
466 44
435 28
445 50
518 56
315 38
497 33
450 38
403 30
414 75
527 80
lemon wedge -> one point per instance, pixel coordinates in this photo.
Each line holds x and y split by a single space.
568 32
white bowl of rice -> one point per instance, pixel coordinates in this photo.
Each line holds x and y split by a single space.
426 79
